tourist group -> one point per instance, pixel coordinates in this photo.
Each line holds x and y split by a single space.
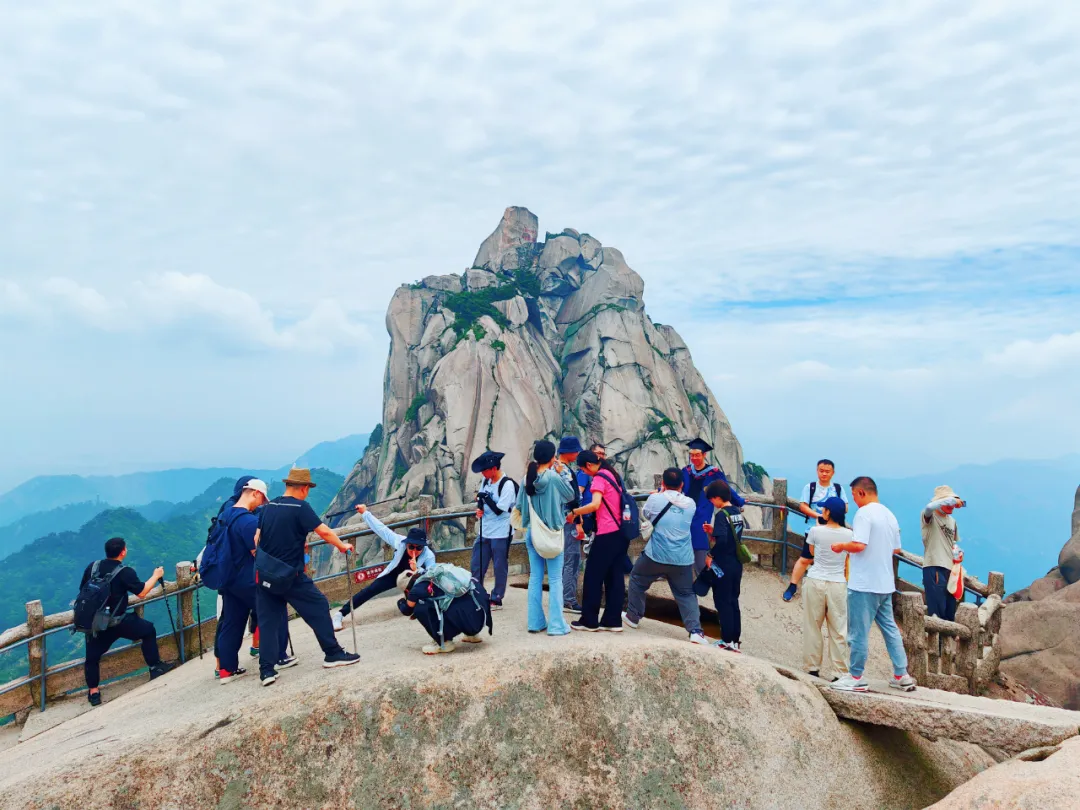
572 504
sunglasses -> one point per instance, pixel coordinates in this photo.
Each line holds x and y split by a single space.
411 547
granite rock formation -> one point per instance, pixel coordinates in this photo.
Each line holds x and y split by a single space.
534 340
1040 627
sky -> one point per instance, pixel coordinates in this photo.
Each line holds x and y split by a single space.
864 218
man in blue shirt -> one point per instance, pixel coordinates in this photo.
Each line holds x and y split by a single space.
813 496
669 555
495 501
283 529
697 475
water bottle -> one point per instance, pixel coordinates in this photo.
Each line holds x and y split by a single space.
626 513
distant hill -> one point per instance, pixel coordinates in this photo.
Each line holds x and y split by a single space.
35 525
338 456
1017 519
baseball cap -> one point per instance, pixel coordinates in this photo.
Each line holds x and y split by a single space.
258 485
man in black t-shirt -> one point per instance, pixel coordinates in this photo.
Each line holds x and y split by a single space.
284 525
130 627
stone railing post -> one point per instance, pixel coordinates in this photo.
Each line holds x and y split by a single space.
470 529
186 606
967 650
657 480
996 583
779 524
35 623
911 616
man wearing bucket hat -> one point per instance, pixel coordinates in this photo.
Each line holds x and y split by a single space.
411 554
494 502
573 533
279 566
941 540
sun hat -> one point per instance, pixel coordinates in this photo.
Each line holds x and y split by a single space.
943 492
569 444
258 485
416 537
299 477
487 460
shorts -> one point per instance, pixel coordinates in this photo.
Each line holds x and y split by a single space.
806 553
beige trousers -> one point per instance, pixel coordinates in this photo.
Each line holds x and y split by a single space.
825 602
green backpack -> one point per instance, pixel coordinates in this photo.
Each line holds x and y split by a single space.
454 582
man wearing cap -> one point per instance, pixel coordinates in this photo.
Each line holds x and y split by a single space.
573 533
697 475
411 554
941 540
494 502
238 597
283 529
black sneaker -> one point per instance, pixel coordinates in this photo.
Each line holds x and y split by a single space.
287 661
580 625
340 659
94 698
158 670
267 678
574 608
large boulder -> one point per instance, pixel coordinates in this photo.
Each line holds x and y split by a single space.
1041 647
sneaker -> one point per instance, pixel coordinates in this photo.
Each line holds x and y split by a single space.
630 622
287 661
435 649
698 638
217 674
789 594
472 639
814 673
579 625
224 676
605 629
495 604
905 683
726 645
268 678
253 652
340 659
338 620
849 683
575 609
158 670
94 698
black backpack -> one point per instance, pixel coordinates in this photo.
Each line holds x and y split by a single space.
630 529
92 612
813 489
503 480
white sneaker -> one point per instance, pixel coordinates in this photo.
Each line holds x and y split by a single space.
849 683
629 622
698 638
435 649
338 620
472 639
729 646
905 683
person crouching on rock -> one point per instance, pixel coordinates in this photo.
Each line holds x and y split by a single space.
443 615
411 556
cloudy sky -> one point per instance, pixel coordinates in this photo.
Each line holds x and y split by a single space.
863 217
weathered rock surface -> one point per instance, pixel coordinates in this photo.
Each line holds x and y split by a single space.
1040 627
1042 779
535 340
520 721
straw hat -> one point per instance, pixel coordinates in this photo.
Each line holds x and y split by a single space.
943 492
299 477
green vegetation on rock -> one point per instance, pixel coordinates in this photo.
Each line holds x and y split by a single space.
755 475
498 345
417 403
469 306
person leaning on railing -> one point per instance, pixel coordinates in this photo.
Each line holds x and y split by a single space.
124 582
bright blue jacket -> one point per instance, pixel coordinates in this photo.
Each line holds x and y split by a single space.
694 484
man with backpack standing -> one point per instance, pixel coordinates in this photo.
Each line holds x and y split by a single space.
494 502
279 565
101 613
813 497
668 555
228 566
697 475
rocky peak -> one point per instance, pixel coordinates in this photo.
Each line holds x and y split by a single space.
535 340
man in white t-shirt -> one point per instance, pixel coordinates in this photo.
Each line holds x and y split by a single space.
825 591
871 584
814 495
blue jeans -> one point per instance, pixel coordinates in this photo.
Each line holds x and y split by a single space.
487 551
939 602
864 609
555 624
571 563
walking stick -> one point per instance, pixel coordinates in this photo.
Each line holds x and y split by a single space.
198 618
352 615
172 624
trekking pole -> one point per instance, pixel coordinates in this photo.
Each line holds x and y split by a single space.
352 613
172 624
198 619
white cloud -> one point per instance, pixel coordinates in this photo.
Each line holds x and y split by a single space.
1034 357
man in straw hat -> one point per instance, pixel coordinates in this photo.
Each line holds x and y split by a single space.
279 564
940 540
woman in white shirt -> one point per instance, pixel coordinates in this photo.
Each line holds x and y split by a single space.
825 591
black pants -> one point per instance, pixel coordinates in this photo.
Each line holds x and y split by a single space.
725 596
939 602
309 602
462 617
237 606
383 583
605 579
132 628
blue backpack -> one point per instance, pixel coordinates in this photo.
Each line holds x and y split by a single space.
630 521
217 566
